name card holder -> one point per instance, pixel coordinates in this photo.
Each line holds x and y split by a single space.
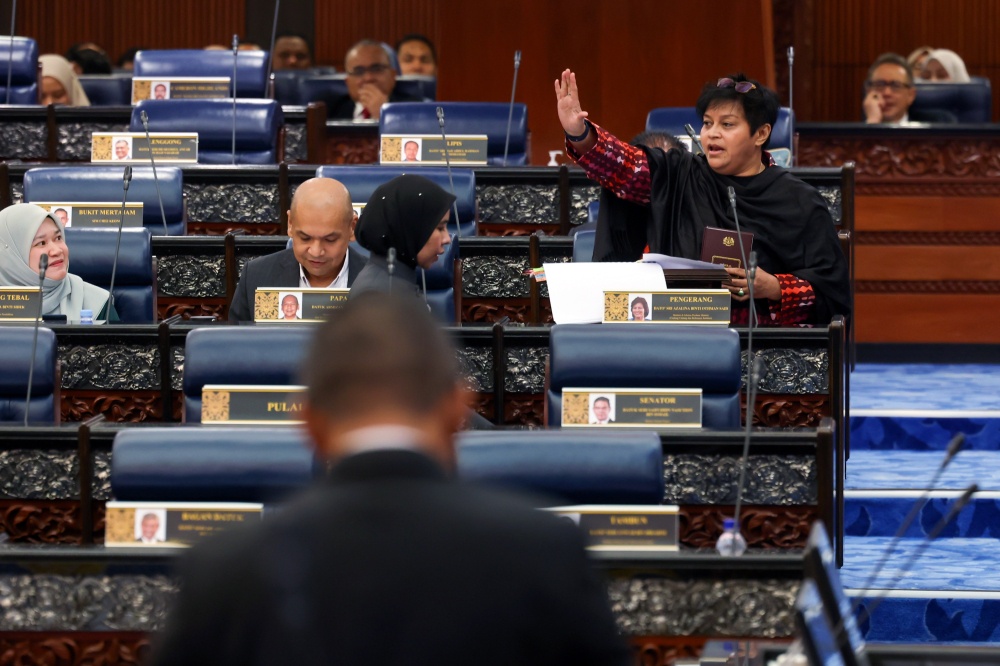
284 305
631 408
416 150
251 405
173 524
133 148
674 306
180 87
19 303
625 528
104 215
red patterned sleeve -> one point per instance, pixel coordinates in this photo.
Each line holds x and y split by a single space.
797 300
614 164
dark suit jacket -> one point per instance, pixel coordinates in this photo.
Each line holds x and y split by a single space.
342 108
277 270
931 116
390 562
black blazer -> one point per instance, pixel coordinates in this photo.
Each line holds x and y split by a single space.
277 270
390 562
342 108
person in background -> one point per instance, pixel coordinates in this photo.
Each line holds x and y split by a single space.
291 51
944 66
918 57
127 60
88 58
417 55
890 92
60 84
371 82
27 232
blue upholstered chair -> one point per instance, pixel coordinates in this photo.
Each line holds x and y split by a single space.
92 257
361 182
572 467
23 69
15 359
489 118
261 355
259 127
672 119
314 87
103 184
210 464
583 245
969 102
641 356
251 67
416 85
286 86
105 90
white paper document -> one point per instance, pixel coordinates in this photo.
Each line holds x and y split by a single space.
576 290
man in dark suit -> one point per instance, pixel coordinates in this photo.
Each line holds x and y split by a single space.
321 225
371 82
389 560
890 91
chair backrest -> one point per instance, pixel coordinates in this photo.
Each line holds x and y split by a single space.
441 284
105 90
286 86
361 182
23 68
640 356
241 355
489 118
671 119
970 102
103 184
572 467
258 124
313 87
92 257
251 67
15 359
417 85
583 244
210 464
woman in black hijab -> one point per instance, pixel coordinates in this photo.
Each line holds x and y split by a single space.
407 218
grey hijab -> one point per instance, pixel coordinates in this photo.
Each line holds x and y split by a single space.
18 225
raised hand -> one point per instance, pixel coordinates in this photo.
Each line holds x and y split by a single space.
568 104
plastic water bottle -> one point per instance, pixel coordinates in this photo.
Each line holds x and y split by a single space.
87 317
731 543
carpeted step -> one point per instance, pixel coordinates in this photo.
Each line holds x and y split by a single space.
913 470
966 386
879 513
923 430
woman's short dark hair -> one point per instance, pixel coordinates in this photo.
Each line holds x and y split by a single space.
760 104
417 37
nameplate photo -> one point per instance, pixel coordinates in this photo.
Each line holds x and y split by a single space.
416 150
133 148
628 528
674 306
105 215
631 408
19 303
173 524
252 405
284 305
179 87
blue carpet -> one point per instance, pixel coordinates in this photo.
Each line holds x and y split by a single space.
922 432
925 386
908 470
880 513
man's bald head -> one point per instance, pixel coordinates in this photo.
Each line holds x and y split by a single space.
321 224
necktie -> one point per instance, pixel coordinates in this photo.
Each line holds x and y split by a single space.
365 114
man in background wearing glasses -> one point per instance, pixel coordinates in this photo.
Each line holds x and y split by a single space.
371 82
890 91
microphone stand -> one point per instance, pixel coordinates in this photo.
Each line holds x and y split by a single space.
390 261
10 54
695 141
270 53
791 112
451 180
118 243
510 113
43 265
156 181
236 50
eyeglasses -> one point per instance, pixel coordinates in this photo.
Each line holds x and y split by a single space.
376 69
879 84
741 86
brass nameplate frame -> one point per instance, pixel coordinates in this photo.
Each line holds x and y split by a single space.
19 303
251 405
179 87
172 524
132 147
629 528
417 150
631 408
311 305
674 306
358 207
103 215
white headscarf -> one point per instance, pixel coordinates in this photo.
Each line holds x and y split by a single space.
59 69
952 63
18 225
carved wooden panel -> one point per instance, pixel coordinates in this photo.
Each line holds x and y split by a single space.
131 406
525 410
46 521
191 307
122 648
494 309
350 149
787 411
223 228
766 527
664 651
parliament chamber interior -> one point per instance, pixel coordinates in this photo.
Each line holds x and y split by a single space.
845 428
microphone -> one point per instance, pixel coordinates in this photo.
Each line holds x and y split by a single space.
156 181
274 35
10 54
510 113
118 243
236 50
451 180
43 265
391 265
695 141
791 114
743 254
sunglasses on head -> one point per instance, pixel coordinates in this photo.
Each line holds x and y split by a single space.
741 86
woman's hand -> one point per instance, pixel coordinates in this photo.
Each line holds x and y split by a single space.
765 285
568 104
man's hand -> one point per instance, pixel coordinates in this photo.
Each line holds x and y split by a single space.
873 107
568 104
372 99
765 285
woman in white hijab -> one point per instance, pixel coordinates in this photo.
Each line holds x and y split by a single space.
26 233
60 84
944 66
